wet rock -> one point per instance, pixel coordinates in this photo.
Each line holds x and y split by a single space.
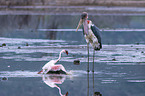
19 47
73 55
113 59
77 62
27 44
4 78
97 94
133 56
82 56
137 43
3 44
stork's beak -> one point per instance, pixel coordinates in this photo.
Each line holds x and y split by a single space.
85 25
80 23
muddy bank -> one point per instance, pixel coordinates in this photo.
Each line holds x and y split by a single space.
133 3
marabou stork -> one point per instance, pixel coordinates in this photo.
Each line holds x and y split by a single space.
51 68
91 34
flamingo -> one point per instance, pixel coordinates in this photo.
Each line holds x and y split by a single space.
51 68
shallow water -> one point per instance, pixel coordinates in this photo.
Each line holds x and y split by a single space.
119 69
31 41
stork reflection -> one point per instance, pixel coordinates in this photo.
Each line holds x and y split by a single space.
53 80
95 93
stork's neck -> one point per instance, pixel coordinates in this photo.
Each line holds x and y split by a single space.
85 26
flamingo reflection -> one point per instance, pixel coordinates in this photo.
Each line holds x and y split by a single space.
53 80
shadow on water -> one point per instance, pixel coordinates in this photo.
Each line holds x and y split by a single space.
95 92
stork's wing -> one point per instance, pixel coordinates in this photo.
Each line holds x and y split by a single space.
97 33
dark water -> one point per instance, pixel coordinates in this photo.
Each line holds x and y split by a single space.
119 66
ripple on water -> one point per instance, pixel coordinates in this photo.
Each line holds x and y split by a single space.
39 50
136 81
18 74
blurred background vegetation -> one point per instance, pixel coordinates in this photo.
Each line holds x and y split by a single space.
138 3
24 18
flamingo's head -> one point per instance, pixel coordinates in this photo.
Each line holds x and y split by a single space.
65 51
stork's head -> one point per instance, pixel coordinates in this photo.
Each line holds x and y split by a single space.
83 20
84 15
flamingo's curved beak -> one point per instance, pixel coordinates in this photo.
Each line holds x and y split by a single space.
66 52
40 72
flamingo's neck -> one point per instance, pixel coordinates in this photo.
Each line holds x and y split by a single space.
59 56
59 90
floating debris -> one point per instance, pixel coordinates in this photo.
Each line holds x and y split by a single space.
77 62
9 66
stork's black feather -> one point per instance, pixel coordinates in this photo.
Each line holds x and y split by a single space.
97 33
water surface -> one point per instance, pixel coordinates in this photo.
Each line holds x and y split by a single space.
119 66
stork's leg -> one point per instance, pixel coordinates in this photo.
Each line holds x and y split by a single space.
88 56
93 60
